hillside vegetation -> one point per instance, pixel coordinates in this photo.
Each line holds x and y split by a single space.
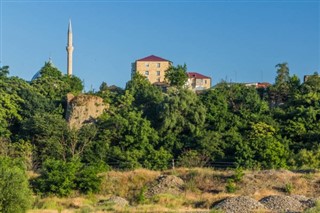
200 191
228 126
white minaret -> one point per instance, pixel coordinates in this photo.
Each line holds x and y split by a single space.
69 49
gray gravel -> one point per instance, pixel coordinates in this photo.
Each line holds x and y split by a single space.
241 204
273 203
282 203
166 184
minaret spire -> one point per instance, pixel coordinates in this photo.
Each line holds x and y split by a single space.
69 49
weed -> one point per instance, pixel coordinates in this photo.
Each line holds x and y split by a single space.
141 198
288 188
238 175
231 186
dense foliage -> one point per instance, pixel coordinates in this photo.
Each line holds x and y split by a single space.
229 125
15 195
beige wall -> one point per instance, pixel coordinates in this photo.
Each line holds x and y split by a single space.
152 67
194 83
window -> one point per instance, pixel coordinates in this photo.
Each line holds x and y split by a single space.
146 72
147 64
158 79
158 64
205 81
158 73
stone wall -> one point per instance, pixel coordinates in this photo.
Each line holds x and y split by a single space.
83 109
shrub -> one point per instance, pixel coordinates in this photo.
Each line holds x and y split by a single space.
60 178
87 179
231 186
57 177
190 159
288 188
15 195
238 175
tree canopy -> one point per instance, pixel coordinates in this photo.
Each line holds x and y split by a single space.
146 127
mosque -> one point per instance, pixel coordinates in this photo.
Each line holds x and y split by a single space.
69 49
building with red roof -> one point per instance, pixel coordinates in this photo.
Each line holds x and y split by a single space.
152 67
197 81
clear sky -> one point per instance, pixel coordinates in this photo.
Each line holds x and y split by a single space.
238 41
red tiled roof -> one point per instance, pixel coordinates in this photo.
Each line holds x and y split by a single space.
152 58
196 75
263 85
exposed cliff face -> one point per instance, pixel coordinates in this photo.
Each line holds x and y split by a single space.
83 109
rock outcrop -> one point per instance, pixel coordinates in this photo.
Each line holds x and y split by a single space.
82 109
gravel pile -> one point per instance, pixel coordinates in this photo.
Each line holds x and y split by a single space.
282 203
168 184
243 204
305 201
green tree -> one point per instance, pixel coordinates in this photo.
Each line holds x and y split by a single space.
54 85
15 195
4 71
182 119
279 92
9 104
129 139
177 76
262 148
147 97
48 133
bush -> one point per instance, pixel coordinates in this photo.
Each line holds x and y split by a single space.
57 177
60 178
238 175
15 195
87 179
288 188
231 186
190 159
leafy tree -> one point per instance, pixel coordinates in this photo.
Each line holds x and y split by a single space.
54 85
218 116
9 104
177 76
308 159
279 92
74 83
182 119
147 97
262 148
15 195
129 138
4 71
48 133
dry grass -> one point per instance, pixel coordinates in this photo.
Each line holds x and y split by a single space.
127 184
202 189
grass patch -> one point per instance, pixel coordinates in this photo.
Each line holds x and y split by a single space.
168 200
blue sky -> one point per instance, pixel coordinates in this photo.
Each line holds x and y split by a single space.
238 41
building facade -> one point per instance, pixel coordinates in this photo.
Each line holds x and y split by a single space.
152 67
197 81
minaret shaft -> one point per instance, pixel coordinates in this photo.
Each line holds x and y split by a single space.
69 49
